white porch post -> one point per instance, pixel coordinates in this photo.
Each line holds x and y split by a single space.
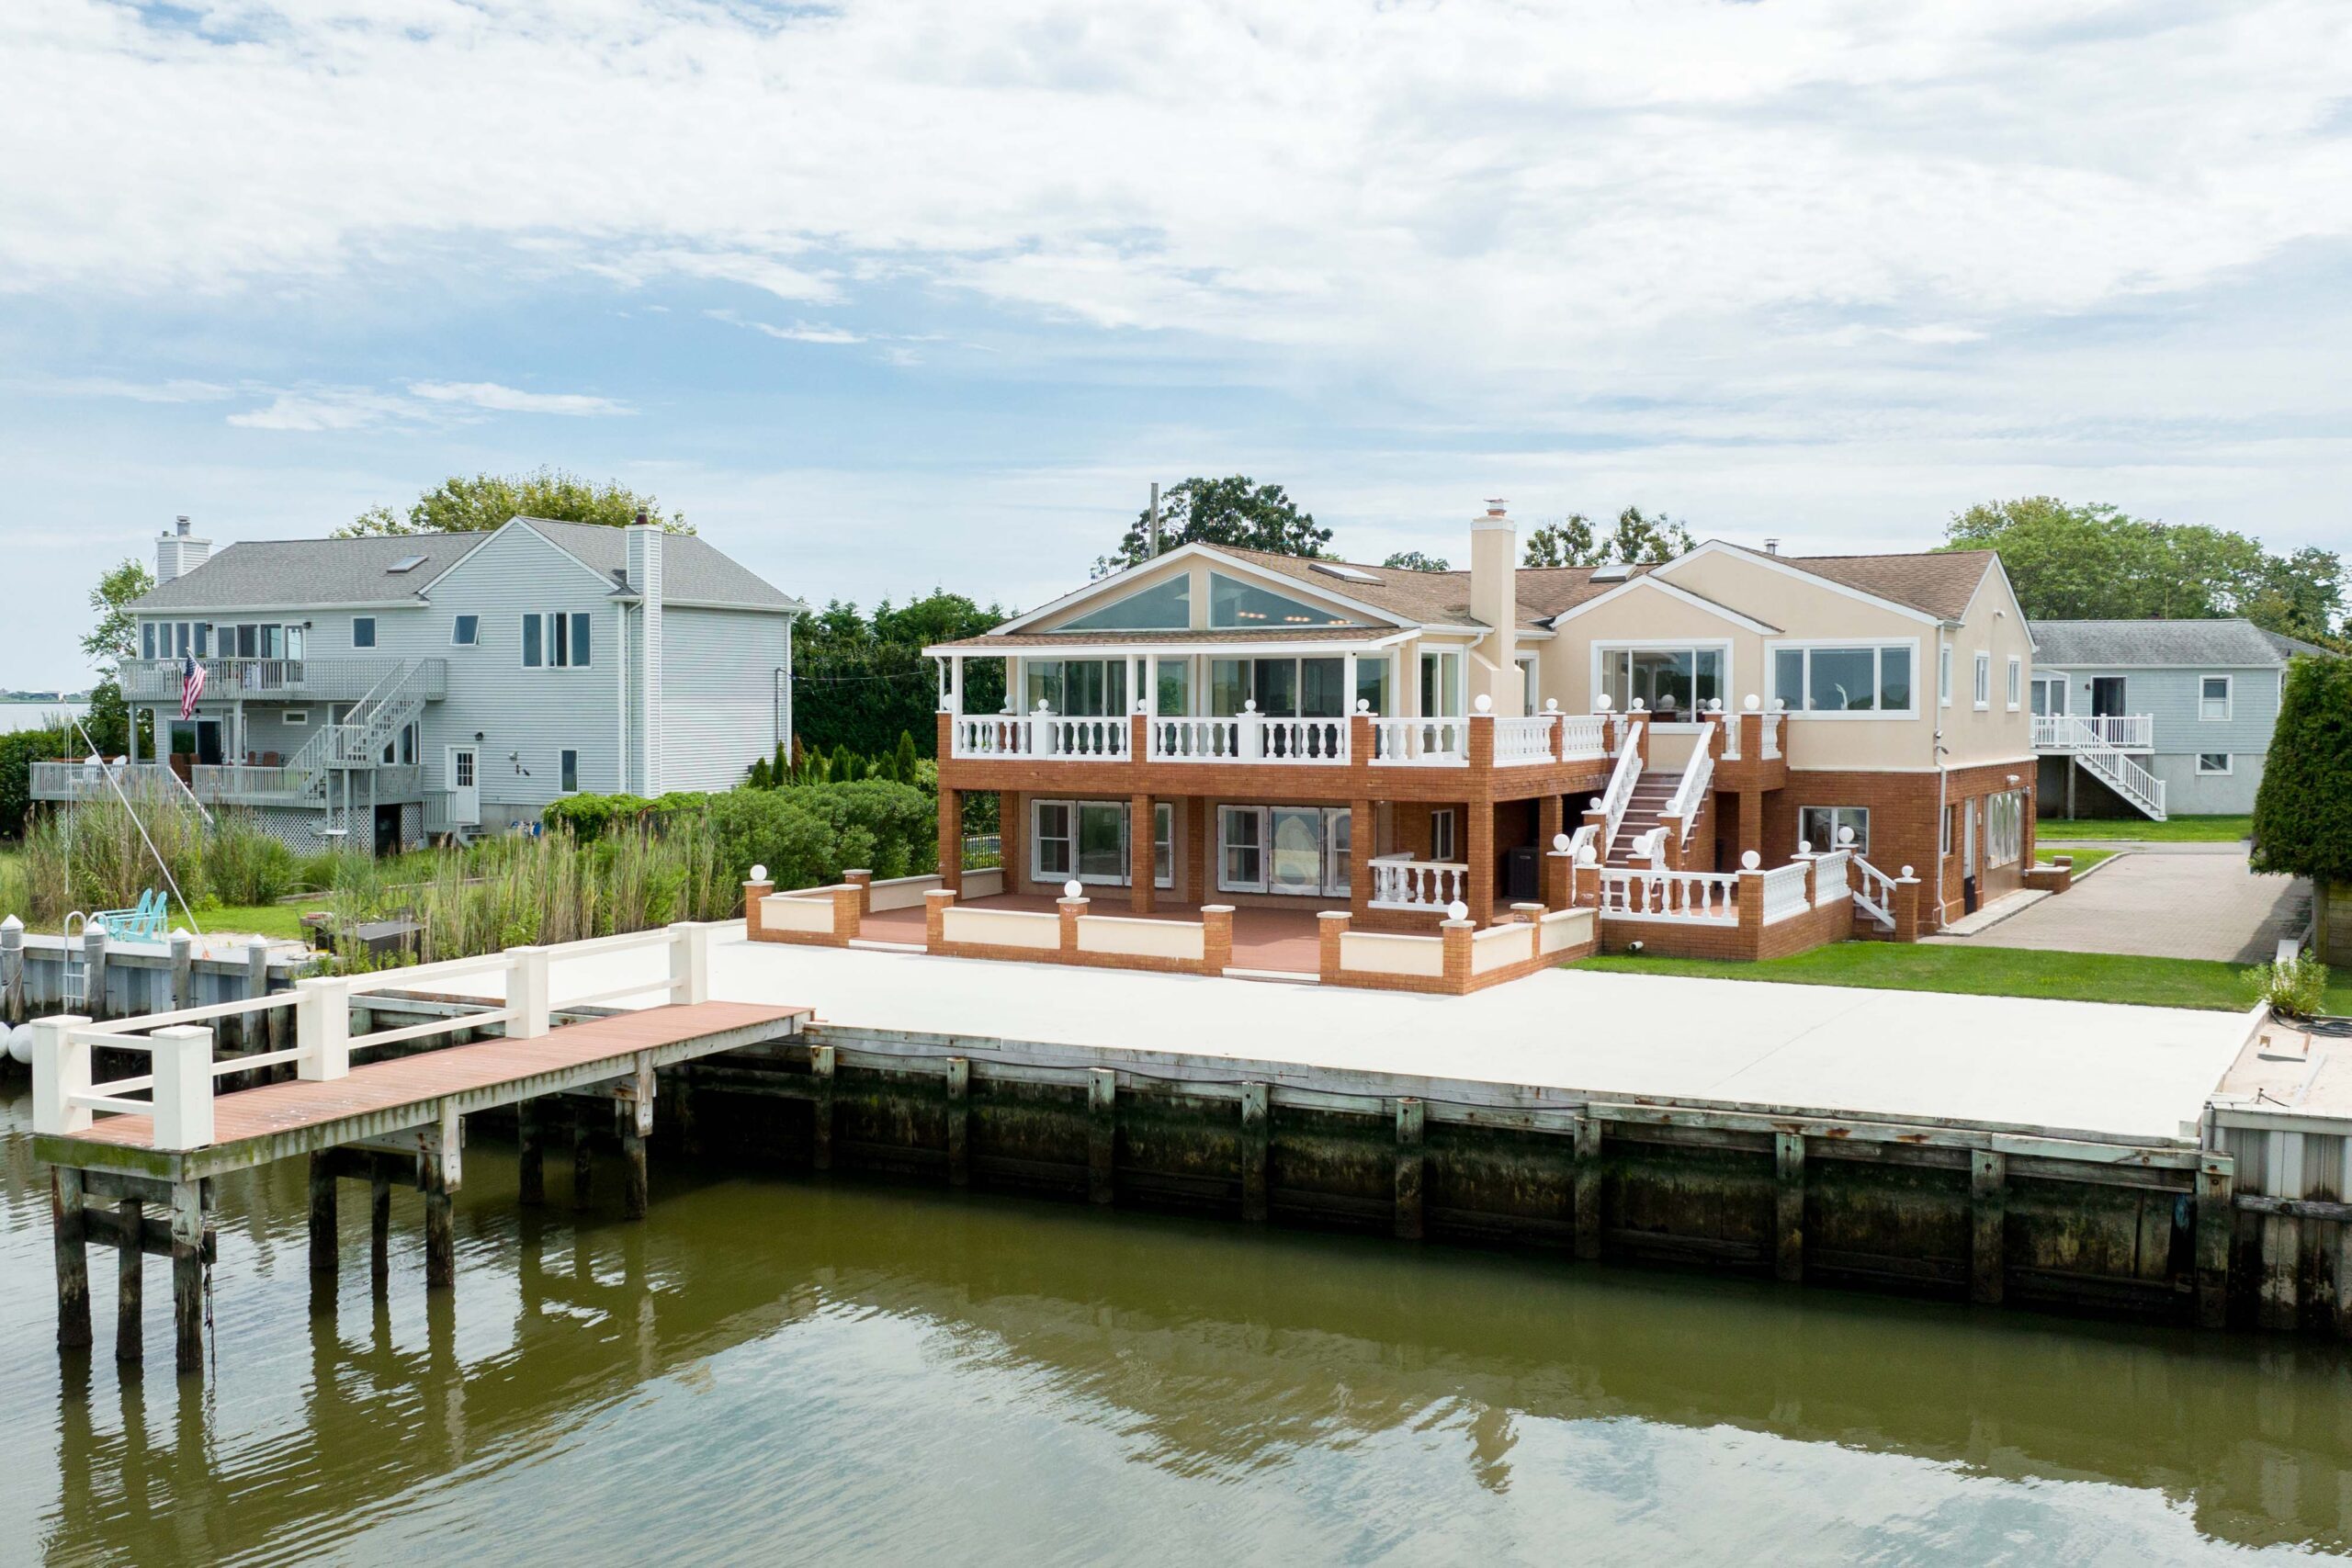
1348 691
956 684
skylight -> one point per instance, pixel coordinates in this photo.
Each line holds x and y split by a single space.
406 563
1334 569
1616 572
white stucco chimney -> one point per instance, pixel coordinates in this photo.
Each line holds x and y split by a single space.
178 552
645 551
1494 600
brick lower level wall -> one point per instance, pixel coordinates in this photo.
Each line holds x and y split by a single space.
1906 829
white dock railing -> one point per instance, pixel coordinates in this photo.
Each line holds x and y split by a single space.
180 1044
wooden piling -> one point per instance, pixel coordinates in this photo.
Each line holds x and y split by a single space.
12 970
1588 1168
94 974
821 1136
1410 1160
323 1213
959 1121
583 1164
1256 1147
1988 1225
182 948
2216 1218
130 1256
188 1269
1788 1229
637 1126
70 1224
2279 1298
1102 1135
444 1148
530 1147
379 1224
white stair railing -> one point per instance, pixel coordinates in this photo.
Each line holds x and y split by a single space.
1690 792
2127 778
1873 892
1613 800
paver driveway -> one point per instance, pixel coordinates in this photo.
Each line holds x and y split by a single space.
2165 906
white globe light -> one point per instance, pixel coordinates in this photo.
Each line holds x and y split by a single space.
1485 703
1551 704
1600 702
1073 889
1845 835
1907 874
759 874
1457 910
1751 701
1588 856
1560 843
1804 846
1750 860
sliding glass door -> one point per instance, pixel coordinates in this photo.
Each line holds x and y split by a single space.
1299 850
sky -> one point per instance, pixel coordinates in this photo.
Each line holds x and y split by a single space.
891 297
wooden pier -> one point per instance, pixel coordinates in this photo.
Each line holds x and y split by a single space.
391 1120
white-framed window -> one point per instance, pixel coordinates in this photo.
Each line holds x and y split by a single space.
1441 843
1528 705
2216 762
2017 683
1984 681
2213 695
1848 678
1443 693
567 771
2003 827
1089 840
1943 674
556 640
1819 826
293 718
1675 681
1943 830
363 631
465 631
1301 849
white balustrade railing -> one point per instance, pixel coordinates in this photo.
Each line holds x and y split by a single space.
1195 740
1399 882
1874 893
2093 732
179 1086
1438 742
1693 898
994 735
1690 796
1520 741
1771 727
1583 736
1082 736
1783 892
1613 800
1829 878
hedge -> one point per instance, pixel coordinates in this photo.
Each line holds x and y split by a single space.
2302 814
807 835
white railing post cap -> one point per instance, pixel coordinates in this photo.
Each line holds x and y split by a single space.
1749 860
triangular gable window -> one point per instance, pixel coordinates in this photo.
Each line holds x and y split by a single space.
1164 607
1235 604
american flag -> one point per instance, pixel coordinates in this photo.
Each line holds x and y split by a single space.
191 685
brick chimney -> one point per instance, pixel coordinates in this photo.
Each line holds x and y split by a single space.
178 552
1494 600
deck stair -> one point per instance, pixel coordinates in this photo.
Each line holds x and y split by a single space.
1651 792
2121 772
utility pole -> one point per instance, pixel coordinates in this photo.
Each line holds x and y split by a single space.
1155 520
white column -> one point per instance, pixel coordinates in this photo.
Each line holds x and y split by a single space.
61 1070
183 1062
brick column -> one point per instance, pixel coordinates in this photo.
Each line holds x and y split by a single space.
1363 835
1070 909
1751 736
1549 813
1479 852
1751 818
1330 925
848 912
1217 938
1141 891
1200 848
1138 735
1906 906
1751 913
752 893
864 882
1559 879
934 917
1587 881
1012 831
951 838
1455 934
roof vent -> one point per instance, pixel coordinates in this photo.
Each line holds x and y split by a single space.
406 563
1772 547
1612 571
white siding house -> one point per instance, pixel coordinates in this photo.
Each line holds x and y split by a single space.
370 692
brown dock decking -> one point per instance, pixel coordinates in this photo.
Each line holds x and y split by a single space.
481 1075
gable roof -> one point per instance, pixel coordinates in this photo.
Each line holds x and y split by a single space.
1940 582
330 572
2228 644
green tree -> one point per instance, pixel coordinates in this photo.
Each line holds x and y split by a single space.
1638 537
1414 560
903 763
2302 814
459 505
115 636
1235 511
863 683
2097 562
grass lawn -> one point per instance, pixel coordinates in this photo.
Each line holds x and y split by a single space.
2084 859
2171 831
275 921
1991 972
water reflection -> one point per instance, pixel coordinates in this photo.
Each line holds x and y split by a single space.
780 1367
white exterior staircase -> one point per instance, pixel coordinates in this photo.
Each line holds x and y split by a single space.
2103 744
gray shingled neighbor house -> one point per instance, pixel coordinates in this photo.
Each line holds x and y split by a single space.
2155 716
370 692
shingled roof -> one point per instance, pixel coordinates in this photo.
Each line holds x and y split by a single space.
299 573
2228 644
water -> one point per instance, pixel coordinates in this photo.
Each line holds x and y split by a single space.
38 716
780 1369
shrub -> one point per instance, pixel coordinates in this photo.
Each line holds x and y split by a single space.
244 866
2296 987
775 829
590 816
18 752
890 828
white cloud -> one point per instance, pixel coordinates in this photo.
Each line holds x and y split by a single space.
507 400
799 331
341 409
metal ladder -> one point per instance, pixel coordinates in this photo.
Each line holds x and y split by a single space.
76 984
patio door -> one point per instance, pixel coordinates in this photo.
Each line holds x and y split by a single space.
465 787
2107 696
1295 836
1304 851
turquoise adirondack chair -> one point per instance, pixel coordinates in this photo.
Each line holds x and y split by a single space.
141 922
